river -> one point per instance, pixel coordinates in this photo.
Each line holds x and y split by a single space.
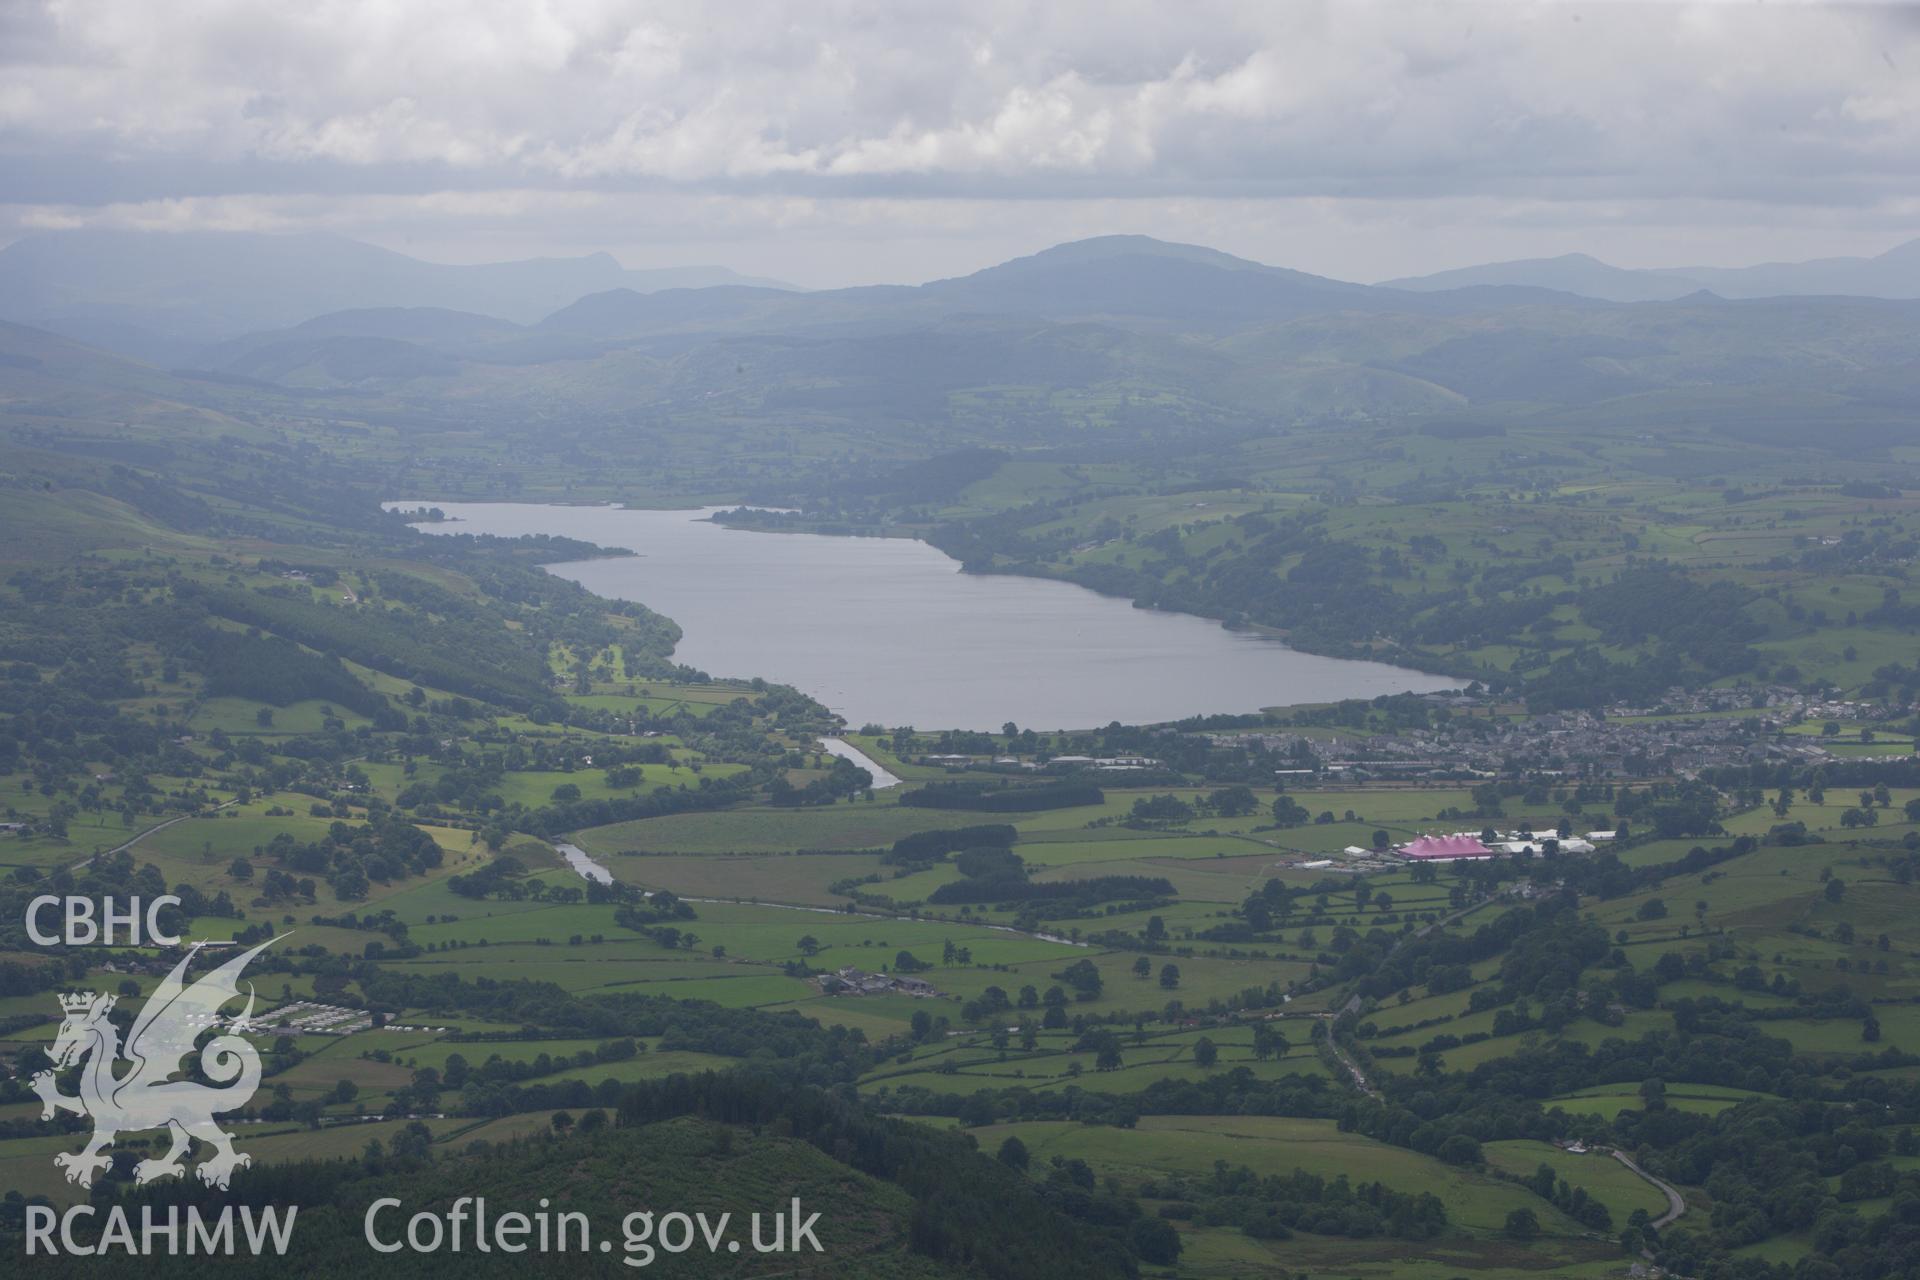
583 863
847 751
889 631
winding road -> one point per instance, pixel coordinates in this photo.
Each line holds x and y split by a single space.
1676 1203
1354 1002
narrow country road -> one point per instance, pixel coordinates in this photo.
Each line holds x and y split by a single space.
583 863
1676 1204
158 826
888 915
1360 1080
1353 1003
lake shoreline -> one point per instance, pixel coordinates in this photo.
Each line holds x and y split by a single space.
1412 661
894 630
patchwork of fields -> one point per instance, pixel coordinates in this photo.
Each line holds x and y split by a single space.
768 889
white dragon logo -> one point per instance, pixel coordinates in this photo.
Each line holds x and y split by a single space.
146 1097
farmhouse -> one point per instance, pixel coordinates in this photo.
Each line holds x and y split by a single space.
849 981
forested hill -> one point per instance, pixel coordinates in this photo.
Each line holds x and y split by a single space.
1591 502
895 1201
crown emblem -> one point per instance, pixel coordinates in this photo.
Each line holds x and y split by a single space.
171 1023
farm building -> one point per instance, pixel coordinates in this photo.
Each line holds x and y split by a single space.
850 981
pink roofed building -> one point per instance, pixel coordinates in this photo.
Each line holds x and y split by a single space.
1445 848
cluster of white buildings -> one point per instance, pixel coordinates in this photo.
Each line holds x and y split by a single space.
1463 846
311 1018
849 981
1106 764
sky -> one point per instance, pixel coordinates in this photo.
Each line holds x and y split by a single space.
840 142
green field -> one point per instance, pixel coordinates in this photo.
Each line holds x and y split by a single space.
1604 1178
1637 552
1169 1144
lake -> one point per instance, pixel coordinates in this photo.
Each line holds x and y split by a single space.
889 631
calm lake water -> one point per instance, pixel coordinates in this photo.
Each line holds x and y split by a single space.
889 631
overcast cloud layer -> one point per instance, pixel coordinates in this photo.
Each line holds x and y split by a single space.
850 142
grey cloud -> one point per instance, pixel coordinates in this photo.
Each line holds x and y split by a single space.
993 95
122 103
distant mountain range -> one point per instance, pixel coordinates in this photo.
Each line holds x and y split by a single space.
1893 274
1162 338
161 295
1109 287
1130 282
219 300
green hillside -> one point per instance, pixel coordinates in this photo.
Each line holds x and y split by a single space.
1067 1001
684 1166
